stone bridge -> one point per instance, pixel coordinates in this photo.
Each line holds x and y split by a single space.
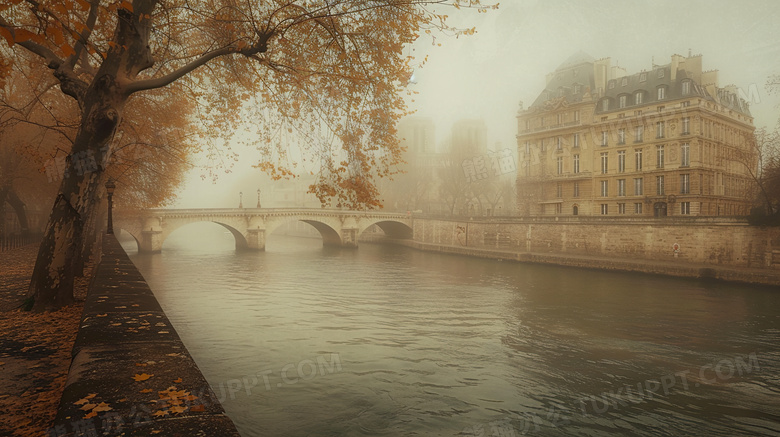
250 226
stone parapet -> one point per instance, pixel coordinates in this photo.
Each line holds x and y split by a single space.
131 374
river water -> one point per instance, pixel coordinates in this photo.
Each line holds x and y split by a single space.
302 340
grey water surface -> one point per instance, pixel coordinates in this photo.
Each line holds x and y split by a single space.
302 340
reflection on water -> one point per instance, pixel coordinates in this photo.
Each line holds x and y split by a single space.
302 340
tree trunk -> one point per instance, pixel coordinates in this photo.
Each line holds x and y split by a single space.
3 195
21 214
59 255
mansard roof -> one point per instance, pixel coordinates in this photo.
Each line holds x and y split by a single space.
648 82
573 79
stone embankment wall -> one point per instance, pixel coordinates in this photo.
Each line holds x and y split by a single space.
693 246
131 374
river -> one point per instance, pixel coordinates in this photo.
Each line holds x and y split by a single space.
302 340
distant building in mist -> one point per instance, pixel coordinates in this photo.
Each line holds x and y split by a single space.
666 141
469 138
417 134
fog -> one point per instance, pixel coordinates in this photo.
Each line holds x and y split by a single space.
486 75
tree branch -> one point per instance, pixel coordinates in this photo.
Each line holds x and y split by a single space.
159 82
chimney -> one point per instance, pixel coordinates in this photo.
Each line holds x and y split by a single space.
678 63
693 67
710 78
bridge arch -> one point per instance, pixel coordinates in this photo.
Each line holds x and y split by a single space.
328 231
118 230
391 228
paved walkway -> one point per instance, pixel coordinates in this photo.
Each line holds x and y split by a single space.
34 349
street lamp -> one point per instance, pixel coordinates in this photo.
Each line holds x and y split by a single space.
110 187
258 198
240 199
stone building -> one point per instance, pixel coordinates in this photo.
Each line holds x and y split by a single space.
666 141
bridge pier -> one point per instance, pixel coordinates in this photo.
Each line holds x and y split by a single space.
255 239
151 242
349 238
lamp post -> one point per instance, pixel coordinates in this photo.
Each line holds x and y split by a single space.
258 198
110 187
240 199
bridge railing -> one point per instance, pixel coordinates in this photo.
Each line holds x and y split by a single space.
256 211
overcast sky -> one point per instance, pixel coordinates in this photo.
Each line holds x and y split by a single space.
488 74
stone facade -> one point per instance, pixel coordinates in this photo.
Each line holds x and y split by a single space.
687 240
663 142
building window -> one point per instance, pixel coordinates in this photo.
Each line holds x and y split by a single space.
558 208
527 148
624 82
659 182
604 162
621 208
686 87
660 73
560 165
621 136
660 129
576 163
541 144
576 115
660 108
576 140
642 77
611 84
560 118
661 93
528 125
638 156
576 190
603 138
559 145
638 97
686 104
638 186
686 125
637 208
621 187
621 161
685 184
685 155
659 156
604 209
685 208
605 105
559 190
639 133
604 188
622 101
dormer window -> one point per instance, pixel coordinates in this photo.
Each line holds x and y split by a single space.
605 105
624 82
611 84
661 92
686 87
638 98
622 101
660 73
642 77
